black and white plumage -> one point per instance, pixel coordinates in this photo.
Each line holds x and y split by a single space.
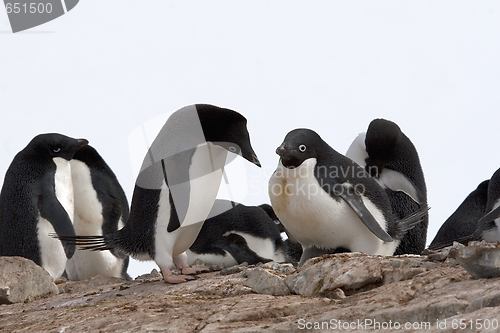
489 225
101 207
329 203
177 186
235 234
37 200
389 156
462 224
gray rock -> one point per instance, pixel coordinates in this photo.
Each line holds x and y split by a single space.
400 274
21 280
481 260
351 272
425 311
284 268
263 281
231 270
487 301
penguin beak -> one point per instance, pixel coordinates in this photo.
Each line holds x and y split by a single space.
281 150
82 143
255 160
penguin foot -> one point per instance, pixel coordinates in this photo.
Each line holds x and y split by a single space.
194 270
175 279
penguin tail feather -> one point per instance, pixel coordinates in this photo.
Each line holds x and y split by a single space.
411 221
93 243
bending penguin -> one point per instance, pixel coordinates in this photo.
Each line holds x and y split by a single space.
464 221
101 207
235 234
389 156
488 225
37 199
177 186
329 203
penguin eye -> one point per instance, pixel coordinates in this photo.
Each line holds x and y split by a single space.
232 149
302 148
56 150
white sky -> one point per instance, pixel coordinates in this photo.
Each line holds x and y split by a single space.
107 67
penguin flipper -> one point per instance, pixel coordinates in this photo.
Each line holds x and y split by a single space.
396 181
493 215
356 203
51 209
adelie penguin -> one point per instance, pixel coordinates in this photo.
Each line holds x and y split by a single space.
37 200
460 226
101 207
488 226
177 186
329 203
389 156
235 234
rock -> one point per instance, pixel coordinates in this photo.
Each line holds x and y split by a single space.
400 274
263 281
21 280
351 272
487 301
231 270
96 281
481 260
284 268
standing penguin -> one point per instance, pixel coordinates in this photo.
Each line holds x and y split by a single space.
101 208
177 186
387 154
329 203
37 199
235 234
464 221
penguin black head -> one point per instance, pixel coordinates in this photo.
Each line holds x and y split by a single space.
55 145
381 140
298 146
228 129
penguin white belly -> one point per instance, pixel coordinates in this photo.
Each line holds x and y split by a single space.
211 259
52 253
263 247
357 150
51 250
88 221
204 187
314 218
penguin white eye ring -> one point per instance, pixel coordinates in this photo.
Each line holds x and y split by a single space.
56 150
302 148
232 149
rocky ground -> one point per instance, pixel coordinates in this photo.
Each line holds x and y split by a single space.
343 292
